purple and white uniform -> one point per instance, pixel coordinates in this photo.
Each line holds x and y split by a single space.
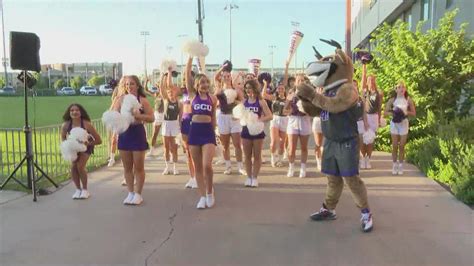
187 117
134 138
201 133
257 109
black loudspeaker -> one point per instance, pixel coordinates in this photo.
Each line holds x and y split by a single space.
24 51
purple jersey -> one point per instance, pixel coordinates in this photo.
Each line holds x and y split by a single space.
254 107
202 107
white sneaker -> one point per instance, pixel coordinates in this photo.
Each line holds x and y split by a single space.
362 163
302 173
394 169
77 194
210 200
367 163
166 171
129 198
190 183
242 171
111 162
400 169
201 203
248 182
291 171
228 171
254 182
84 194
137 199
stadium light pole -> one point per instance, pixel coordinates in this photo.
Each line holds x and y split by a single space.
229 7
4 59
295 25
144 34
271 53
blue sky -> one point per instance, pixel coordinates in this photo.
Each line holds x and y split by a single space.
109 31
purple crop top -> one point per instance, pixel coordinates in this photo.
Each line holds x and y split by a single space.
254 107
202 107
185 99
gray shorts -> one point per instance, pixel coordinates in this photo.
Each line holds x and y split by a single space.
340 158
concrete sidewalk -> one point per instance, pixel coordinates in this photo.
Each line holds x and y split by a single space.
416 221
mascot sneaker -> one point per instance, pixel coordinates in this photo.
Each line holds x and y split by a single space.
323 214
366 219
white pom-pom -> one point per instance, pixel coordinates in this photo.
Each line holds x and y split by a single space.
368 136
299 104
195 48
238 111
115 122
255 128
79 134
230 95
129 104
74 144
168 64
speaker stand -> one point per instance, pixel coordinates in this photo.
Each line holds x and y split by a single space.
28 158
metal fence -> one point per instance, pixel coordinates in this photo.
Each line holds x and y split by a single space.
46 150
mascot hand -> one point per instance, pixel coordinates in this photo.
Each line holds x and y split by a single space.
305 92
310 109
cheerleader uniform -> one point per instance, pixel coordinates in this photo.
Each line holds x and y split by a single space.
201 133
134 138
298 123
257 109
280 120
187 117
170 126
226 124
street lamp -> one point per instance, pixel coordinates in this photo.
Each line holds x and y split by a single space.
4 59
271 53
144 34
230 6
295 25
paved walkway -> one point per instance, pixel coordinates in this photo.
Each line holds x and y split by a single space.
417 222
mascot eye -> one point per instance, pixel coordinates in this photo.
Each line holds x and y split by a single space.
327 59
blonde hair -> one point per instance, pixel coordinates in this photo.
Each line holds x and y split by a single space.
371 81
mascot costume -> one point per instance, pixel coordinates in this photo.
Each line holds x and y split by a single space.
338 109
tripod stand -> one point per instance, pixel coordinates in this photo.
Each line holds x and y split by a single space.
28 158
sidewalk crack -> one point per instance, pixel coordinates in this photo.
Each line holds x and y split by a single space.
171 221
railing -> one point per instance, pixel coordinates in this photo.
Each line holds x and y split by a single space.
46 150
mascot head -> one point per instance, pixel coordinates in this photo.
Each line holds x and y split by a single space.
330 69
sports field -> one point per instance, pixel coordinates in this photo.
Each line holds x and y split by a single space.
44 111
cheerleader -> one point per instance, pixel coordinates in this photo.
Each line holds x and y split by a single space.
373 107
170 129
202 138
278 124
299 128
228 127
400 107
252 144
132 143
76 116
159 117
185 125
362 123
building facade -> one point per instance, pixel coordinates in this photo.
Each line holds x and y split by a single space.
368 15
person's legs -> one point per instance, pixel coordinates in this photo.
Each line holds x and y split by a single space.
127 161
401 153
237 142
196 153
395 140
76 179
192 181
304 154
247 148
225 141
257 145
207 155
274 144
292 142
81 168
139 170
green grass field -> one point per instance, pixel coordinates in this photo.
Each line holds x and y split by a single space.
48 110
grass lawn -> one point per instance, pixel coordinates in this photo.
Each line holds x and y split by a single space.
48 110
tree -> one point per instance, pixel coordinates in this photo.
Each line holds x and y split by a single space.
41 82
95 81
59 84
2 82
436 66
77 82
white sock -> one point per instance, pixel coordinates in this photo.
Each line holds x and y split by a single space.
291 165
166 163
227 164
303 166
112 155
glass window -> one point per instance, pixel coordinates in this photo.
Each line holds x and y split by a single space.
449 3
425 9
